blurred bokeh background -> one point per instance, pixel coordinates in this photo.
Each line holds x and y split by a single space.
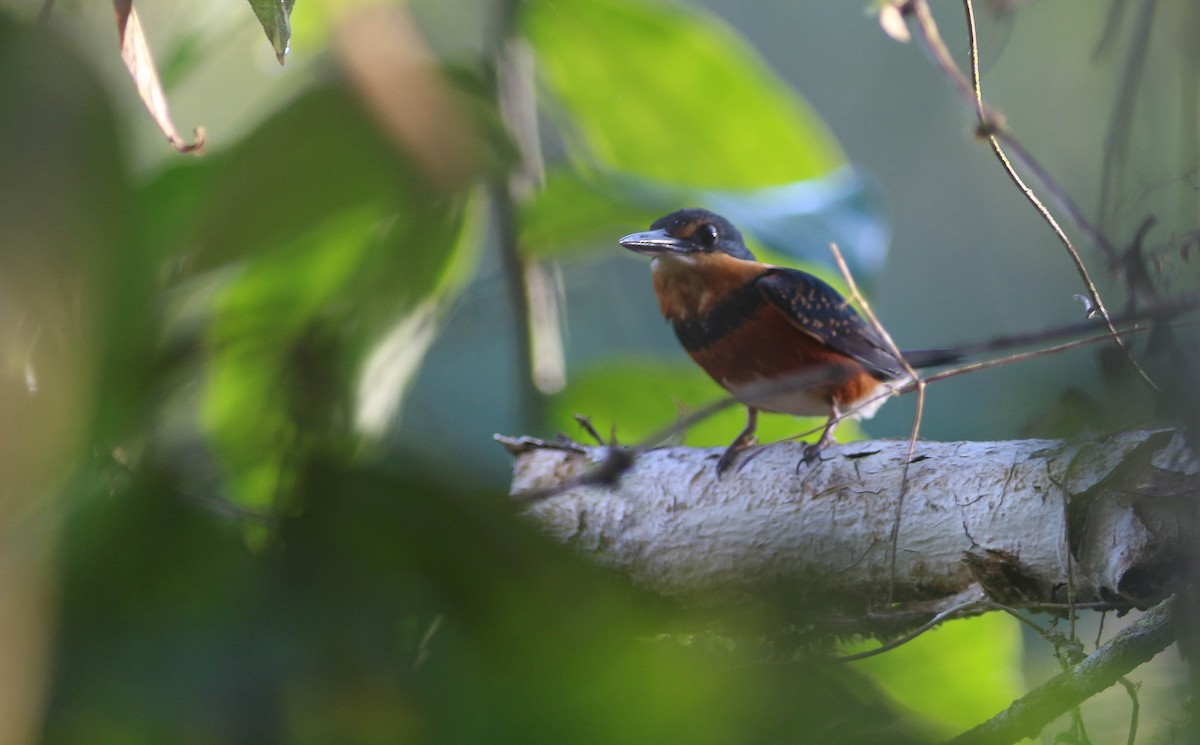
251 493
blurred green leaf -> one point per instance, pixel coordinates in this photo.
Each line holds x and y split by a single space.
275 17
685 114
184 56
287 334
309 162
981 655
576 211
637 398
75 313
670 93
397 608
580 211
253 385
300 247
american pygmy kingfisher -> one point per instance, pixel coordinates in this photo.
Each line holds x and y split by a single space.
778 339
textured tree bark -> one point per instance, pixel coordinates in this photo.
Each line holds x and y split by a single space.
1028 522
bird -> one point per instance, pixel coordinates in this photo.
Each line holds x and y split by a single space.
778 339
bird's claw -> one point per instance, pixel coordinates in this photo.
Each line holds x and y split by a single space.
812 453
731 453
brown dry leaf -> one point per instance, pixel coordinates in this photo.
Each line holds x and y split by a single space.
402 86
135 51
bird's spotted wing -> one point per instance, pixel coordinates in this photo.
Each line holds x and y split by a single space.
815 308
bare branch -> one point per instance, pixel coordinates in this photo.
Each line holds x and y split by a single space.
1106 666
515 94
987 513
608 469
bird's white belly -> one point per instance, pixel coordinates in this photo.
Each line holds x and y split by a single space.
773 396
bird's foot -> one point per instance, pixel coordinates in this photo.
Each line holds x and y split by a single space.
731 453
812 453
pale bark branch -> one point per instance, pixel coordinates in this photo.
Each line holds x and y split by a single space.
998 515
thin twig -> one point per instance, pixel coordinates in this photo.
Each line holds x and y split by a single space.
606 473
504 214
686 422
585 423
990 126
992 604
775 388
976 366
963 609
1120 126
1136 707
995 134
1059 195
1079 734
1026 717
1000 343
931 623
991 123
916 428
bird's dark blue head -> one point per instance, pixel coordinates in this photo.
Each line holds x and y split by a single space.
689 231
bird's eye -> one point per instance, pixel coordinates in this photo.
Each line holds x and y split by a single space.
706 235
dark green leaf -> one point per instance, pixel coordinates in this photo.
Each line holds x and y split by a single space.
275 17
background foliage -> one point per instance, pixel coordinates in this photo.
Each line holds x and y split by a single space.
250 491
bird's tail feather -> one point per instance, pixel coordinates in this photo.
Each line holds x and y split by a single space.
931 357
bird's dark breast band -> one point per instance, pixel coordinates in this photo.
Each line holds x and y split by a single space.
700 332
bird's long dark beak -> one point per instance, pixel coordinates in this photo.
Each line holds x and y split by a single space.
655 242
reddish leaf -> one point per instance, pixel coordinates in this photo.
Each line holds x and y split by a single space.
135 52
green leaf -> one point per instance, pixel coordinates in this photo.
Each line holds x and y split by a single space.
275 17
980 656
580 213
287 337
576 211
256 383
671 93
296 250
316 160
313 160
